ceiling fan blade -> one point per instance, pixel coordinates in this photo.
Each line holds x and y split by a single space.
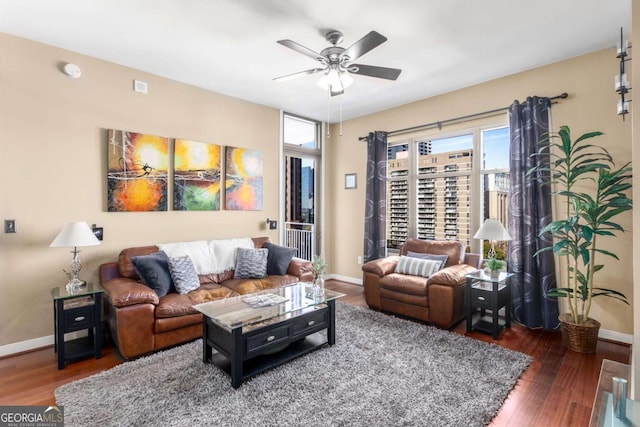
373 71
364 45
301 49
299 74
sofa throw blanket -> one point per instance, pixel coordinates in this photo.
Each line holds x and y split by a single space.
208 256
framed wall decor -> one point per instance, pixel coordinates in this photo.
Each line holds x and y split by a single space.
196 176
243 179
350 181
137 172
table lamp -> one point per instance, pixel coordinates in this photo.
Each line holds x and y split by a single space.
492 230
75 234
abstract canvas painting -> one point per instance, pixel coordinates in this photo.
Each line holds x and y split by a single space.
243 179
137 172
196 179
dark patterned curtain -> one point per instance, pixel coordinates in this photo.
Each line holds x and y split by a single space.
375 214
529 212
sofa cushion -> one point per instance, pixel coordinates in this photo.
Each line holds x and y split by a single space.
455 250
251 263
276 281
279 258
154 272
183 273
417 266
173 304
405 284
442 259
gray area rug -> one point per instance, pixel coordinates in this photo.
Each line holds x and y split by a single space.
383 371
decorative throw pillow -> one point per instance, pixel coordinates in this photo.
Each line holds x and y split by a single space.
441 258
184 275
279 258
251 263
417 266
153 270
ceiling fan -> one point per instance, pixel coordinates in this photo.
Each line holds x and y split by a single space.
337 61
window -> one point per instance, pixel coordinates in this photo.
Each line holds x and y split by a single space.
495 179
432 182
301 159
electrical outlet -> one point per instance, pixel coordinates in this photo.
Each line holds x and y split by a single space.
359 260
9 225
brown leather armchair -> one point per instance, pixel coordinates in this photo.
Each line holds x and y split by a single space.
438 299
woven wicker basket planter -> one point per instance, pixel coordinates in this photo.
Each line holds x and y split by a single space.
581 338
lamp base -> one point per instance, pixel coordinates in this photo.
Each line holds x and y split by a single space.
75 284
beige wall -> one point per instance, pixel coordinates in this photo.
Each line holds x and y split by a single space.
591 106
53 166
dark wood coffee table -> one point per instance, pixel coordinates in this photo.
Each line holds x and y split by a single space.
256 332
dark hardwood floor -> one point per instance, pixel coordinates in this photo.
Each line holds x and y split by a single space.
557 390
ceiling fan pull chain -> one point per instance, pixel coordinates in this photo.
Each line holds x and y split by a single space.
341 117
328 115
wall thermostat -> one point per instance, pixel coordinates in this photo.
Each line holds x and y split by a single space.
72 70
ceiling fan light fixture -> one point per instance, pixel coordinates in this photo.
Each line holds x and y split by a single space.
335 80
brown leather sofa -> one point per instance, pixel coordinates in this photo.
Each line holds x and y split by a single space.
140 322
438 299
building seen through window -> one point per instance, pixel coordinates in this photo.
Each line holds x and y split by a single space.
430 185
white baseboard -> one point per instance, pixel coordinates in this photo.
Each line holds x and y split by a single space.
615 336
354 280
19 347
28 345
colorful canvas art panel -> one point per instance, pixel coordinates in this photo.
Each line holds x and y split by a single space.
137 172
196 178
243 179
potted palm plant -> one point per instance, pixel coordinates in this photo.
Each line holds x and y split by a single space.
589 216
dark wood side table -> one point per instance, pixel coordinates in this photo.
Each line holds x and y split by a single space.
486 293
75 311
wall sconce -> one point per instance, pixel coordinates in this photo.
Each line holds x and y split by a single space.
272 223
621 84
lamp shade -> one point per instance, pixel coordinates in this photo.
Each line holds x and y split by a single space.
75 234
492 229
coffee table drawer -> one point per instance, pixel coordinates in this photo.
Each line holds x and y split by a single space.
264 340
311 322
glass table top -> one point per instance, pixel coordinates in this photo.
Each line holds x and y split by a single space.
258 307
486 277
61 292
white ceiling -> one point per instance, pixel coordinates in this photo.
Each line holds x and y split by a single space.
229 46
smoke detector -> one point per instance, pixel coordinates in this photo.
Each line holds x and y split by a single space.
72 70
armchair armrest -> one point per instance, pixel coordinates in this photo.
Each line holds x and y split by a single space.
122 292
381 266
452 275
301 268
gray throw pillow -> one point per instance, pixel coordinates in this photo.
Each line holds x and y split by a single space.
279 258
184 275
154 272
432 257
251 263
416 266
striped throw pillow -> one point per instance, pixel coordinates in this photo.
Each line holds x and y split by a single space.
417 266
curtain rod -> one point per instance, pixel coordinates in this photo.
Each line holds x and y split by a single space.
460 119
